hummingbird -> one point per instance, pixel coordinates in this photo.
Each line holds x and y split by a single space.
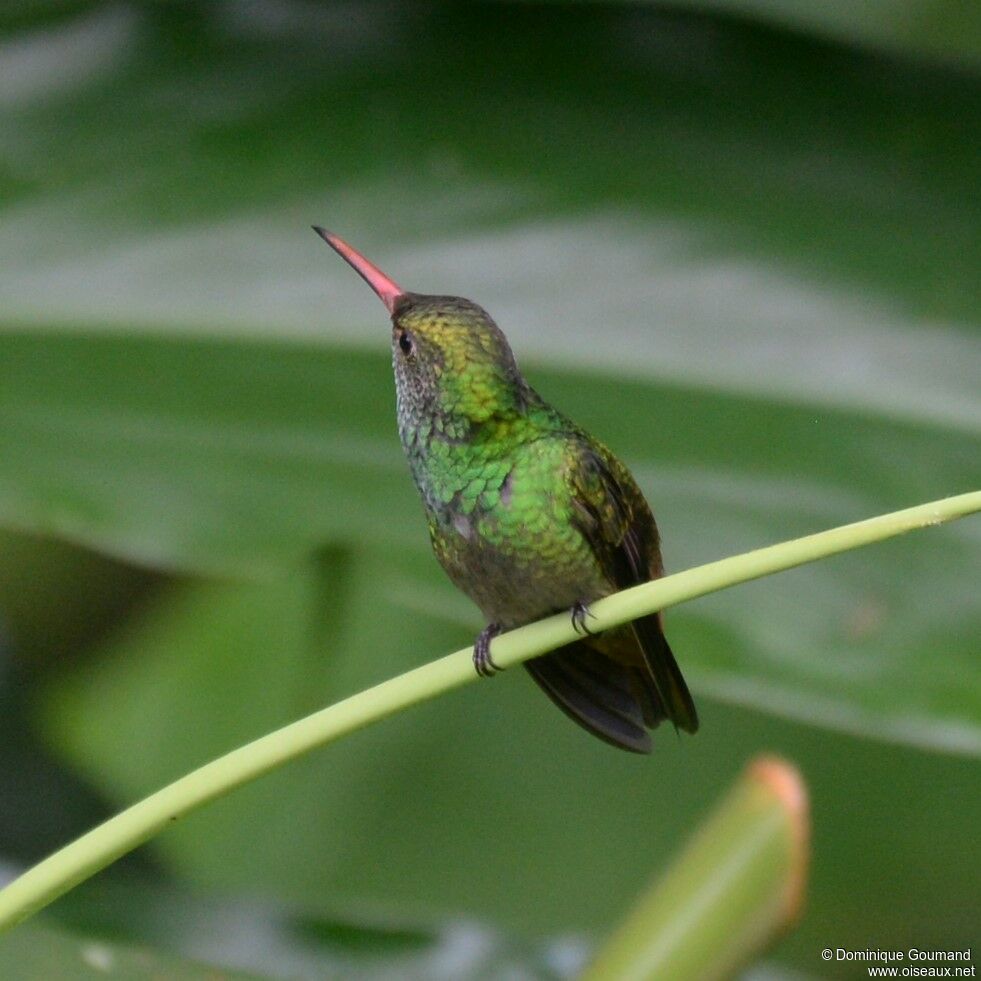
528 514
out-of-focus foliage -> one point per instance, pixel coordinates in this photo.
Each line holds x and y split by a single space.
44 952
746 259
265 939
948 30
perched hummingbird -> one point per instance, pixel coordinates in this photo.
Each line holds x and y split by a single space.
528 514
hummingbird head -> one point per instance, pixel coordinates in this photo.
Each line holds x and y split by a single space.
453 365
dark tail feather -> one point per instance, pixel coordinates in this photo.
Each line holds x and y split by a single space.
647 696
672 691
599 694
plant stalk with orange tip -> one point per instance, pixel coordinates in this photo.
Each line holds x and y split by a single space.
738 885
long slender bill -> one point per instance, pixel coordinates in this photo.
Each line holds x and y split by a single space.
387 289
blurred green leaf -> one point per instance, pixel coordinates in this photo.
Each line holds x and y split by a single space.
57 598
950 30
276 940
36 951
716 201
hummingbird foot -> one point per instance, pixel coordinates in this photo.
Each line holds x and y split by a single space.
579 613
482 661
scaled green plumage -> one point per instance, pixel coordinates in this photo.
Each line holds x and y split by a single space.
528 514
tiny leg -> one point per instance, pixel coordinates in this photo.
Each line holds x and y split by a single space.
579 613
482 661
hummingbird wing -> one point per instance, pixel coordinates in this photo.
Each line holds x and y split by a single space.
616 521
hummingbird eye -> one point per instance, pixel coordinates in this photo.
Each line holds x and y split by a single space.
405 342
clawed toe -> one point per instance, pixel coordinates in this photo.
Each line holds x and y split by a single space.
482 661
580 611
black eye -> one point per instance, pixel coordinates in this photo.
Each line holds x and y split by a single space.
405 342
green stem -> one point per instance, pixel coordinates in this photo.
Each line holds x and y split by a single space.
737 885
95 850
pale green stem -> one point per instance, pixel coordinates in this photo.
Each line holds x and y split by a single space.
738 884
95 850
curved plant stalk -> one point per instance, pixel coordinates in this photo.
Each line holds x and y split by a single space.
100 847
737 886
